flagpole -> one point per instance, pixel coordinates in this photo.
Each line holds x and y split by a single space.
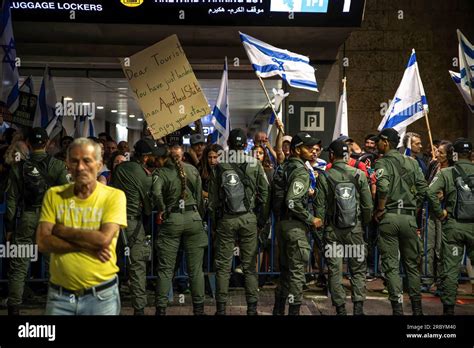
271 104
425 113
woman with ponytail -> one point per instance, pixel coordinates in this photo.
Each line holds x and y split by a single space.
177 189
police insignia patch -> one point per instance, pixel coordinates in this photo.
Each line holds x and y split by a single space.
379 173
298 187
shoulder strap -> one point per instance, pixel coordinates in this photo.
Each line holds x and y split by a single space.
398 167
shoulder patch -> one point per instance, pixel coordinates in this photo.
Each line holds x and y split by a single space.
379 173
298 187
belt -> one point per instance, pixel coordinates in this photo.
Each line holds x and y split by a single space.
83 292
401 211
130 217
186 208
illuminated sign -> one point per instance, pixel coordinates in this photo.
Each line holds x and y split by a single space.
294 13
305 6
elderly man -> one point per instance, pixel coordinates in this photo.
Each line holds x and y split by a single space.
79 226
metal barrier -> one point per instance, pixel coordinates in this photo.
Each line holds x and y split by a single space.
208 263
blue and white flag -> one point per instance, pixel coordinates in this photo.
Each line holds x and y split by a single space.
408 148
342 124
268 61
46 109
27 86
9 91
220 113
91 132
464 79
409 103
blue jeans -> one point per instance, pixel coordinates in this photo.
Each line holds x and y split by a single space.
104 302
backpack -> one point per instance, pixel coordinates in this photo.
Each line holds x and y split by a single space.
280 187
346 206
464 208
234 184
35 181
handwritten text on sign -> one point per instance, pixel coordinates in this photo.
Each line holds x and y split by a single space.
165 87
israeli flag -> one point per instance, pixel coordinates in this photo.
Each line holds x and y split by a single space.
464 79
409 103
220 113
9 91
270 61
342 124
91 132
27 86
46 109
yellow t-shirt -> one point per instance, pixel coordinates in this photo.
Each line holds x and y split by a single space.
79 270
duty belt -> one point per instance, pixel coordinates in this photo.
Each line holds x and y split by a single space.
401 211
179 210
83 292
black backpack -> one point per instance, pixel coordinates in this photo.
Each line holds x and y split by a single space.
346 206
36 181
280 187
233 186
464 209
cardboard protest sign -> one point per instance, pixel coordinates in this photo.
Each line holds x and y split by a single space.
165 87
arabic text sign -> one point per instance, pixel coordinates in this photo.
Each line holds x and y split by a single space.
164 84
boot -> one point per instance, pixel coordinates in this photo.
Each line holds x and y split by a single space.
341 310
13 310
294 309
160 311
416 307
397 308
358 308
139 312
448 310
279 307
198 308
220 308
252 308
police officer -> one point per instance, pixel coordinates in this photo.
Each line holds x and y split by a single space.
29 181
401 188
457 218
236 188
343 182
295 223
177 189
135 179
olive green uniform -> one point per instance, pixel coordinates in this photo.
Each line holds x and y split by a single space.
136 181
28 222
335 238
398 227
455 234
244 226
292 233
181 221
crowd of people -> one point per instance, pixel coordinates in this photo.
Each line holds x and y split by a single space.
87 202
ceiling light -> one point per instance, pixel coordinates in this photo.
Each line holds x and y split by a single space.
131 116
100 107
114 111
122 113
122 88
139 119
67 98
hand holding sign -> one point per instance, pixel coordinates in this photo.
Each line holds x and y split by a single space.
165 87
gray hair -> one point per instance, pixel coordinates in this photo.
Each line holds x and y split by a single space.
409 135
86 142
